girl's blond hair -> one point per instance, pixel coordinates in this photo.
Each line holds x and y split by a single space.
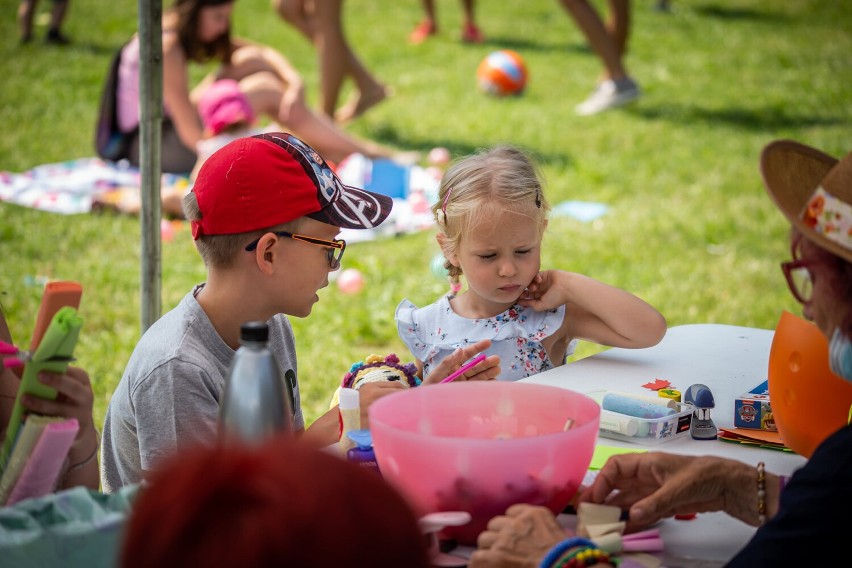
503 178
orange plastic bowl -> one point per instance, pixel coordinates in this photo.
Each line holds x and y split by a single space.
480 447
809 402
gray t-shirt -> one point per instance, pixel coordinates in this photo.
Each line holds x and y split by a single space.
168 397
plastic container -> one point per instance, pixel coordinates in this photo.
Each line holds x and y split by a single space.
480 447
645 430
255 403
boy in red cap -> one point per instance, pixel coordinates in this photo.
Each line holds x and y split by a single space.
265 213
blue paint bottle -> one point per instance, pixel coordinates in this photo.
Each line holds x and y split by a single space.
363 453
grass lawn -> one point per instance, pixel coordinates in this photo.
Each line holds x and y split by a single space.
689 226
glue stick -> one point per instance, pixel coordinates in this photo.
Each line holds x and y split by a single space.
659 401
350 417
623 424
617 402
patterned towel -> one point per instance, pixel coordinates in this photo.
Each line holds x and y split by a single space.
76 186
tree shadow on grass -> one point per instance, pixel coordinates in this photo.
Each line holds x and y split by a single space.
754 119
743 14
525 46
390 136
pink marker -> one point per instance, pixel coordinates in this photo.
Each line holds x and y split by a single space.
466 367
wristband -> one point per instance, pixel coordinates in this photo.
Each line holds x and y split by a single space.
561 548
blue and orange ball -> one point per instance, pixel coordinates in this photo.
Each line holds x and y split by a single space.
502 73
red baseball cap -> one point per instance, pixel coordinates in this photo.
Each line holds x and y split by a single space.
261 181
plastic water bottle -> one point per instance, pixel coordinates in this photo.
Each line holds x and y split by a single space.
255 402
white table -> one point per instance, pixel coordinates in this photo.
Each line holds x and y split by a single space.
730 360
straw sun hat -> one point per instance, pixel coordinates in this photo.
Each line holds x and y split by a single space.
814 191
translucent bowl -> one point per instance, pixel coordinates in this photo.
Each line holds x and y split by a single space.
482 446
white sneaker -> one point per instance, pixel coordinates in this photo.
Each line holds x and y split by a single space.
609 94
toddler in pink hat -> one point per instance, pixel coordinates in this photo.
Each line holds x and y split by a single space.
226 114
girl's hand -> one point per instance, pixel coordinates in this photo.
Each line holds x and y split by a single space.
544 292
74 399
487 370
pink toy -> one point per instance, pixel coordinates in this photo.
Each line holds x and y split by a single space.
439 156
350 281
482 446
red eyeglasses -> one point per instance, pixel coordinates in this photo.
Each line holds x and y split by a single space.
799 277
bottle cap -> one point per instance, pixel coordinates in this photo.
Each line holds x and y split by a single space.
361 437
254 331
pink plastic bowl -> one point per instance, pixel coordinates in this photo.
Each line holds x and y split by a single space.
482 446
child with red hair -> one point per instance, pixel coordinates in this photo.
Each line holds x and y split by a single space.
280 504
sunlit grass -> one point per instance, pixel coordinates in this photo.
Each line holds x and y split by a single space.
689 227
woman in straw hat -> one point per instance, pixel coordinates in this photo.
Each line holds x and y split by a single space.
798 516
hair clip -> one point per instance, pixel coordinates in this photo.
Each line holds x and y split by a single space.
441 214
538 198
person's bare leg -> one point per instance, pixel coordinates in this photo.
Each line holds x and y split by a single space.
467 10
590 24
337 60
297 13
470 31
26 12
269 96
57 14
332 51
427 27
618 25
429 10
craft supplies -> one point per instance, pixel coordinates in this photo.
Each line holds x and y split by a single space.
753 409
363 453
466 367
672 394
350 417
640 407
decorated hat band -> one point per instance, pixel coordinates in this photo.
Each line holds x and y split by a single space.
830 217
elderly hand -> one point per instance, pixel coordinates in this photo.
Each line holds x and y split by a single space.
518 539
487 370
658 485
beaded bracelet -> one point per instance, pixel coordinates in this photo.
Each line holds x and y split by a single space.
586 556
761 493
561 548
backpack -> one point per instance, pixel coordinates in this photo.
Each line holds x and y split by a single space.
110 142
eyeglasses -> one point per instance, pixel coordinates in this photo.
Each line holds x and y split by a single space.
334 252
799 279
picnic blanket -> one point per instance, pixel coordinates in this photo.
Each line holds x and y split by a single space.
86 184
76 186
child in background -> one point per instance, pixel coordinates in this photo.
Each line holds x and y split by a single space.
491 214
226 115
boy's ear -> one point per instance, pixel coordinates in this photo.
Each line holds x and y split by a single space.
265 255
446 249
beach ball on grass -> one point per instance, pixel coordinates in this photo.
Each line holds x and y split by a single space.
350 281
502 73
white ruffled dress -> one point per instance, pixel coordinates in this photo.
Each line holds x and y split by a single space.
433 332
